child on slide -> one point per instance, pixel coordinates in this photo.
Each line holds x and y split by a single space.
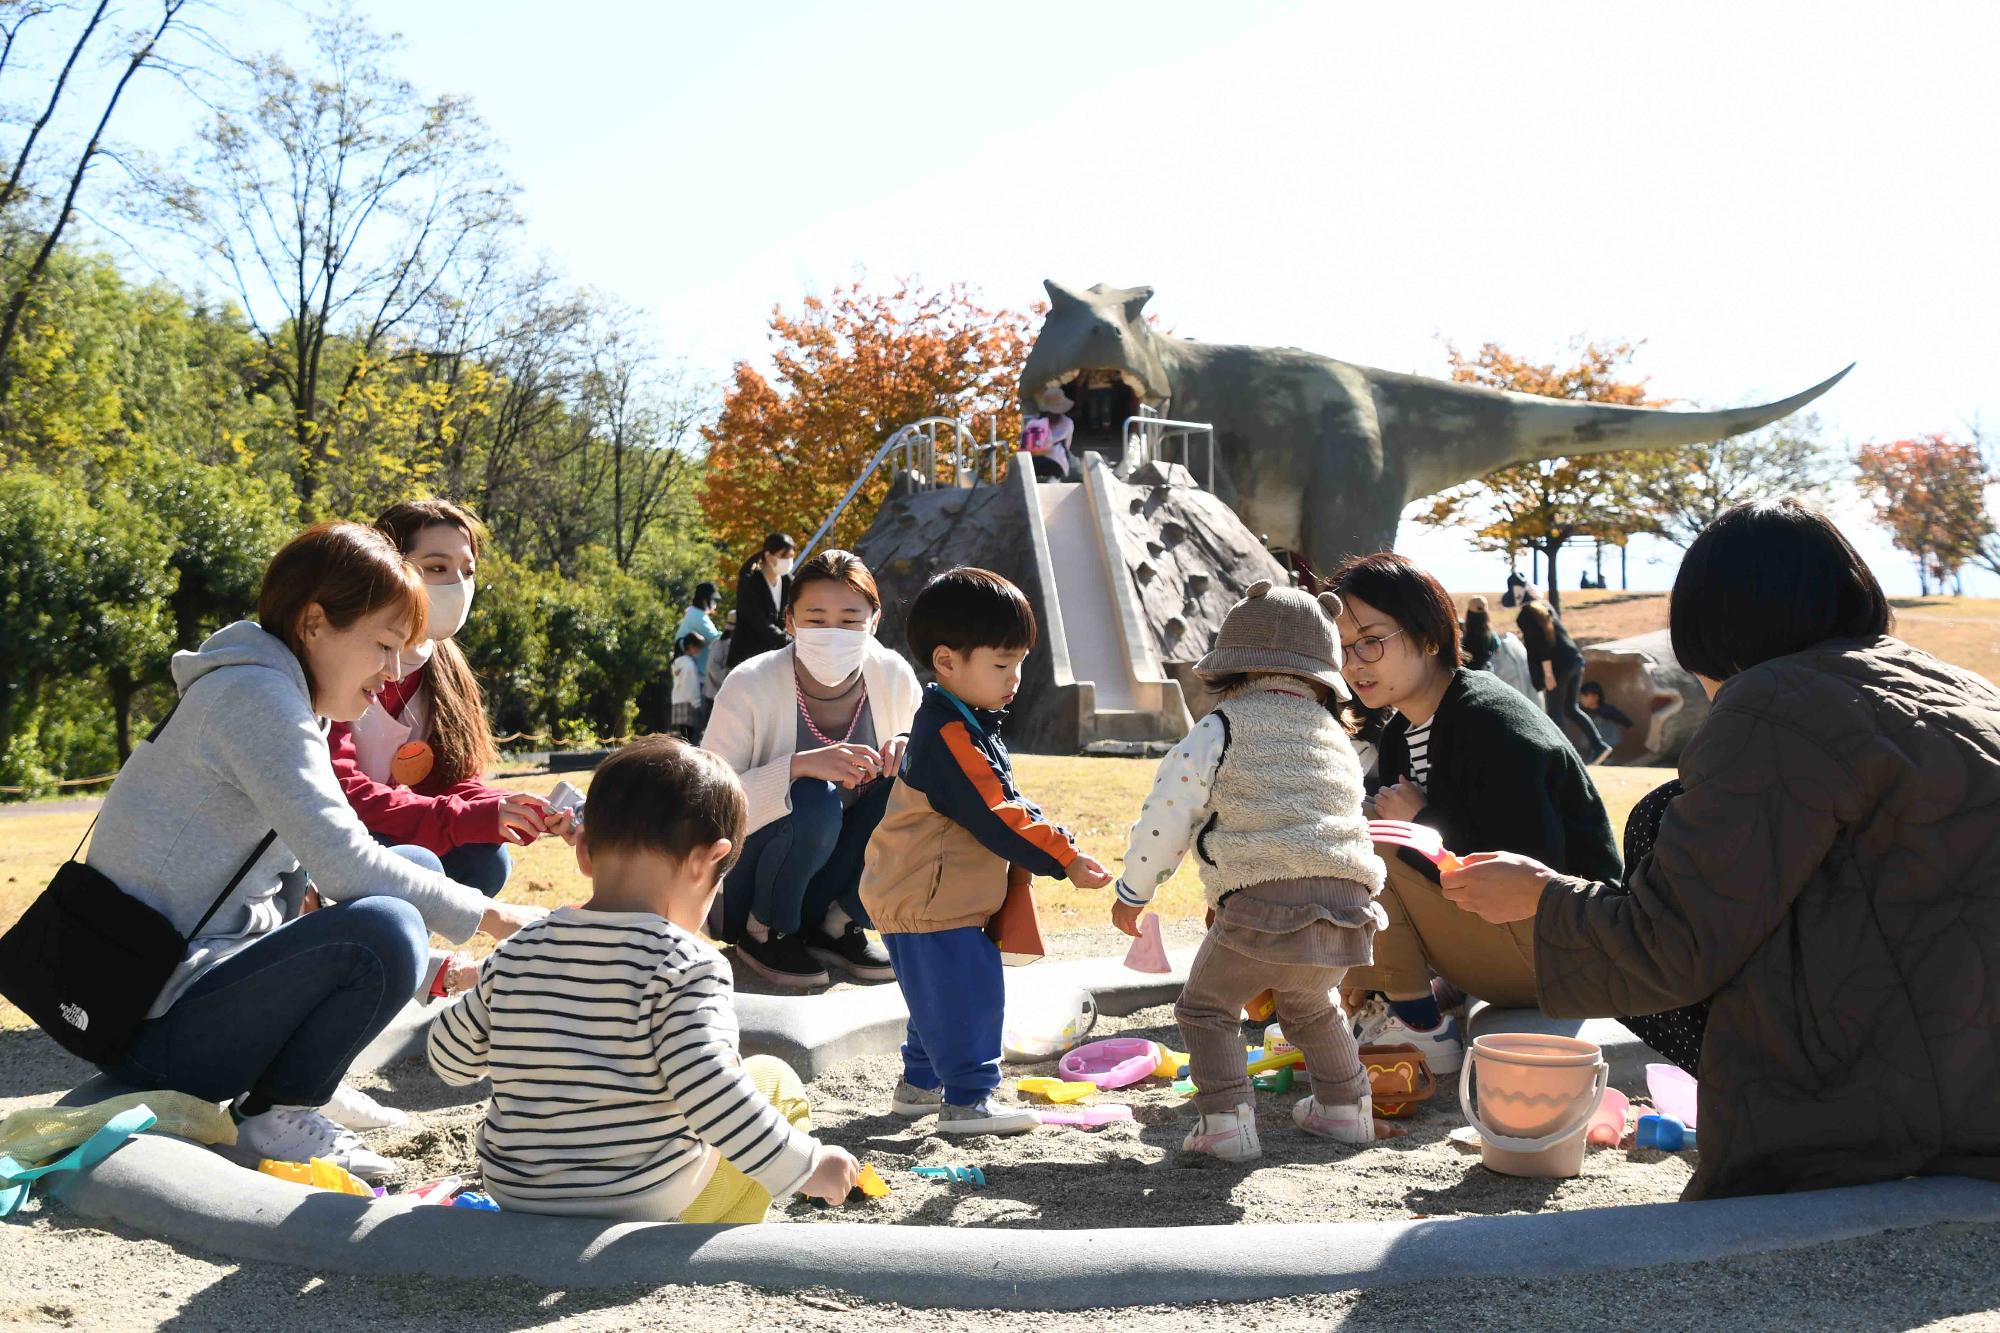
609 1030
1267 790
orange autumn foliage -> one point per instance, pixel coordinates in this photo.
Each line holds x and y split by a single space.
1930 492
848 370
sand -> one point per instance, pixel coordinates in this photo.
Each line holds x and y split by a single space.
1136 1173
62 1273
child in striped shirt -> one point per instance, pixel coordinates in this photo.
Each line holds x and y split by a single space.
609 1031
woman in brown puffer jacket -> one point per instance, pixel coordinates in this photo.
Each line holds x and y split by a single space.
1829 879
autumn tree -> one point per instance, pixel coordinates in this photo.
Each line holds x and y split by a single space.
1930 493
849 369
1541 506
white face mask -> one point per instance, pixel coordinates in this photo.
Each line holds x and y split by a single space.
831 656
451 603
412 659
782 568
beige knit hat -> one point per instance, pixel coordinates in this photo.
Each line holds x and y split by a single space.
1286 630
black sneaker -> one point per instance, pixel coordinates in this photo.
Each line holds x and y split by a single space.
852 952
782 960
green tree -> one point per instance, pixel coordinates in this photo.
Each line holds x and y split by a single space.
1685 490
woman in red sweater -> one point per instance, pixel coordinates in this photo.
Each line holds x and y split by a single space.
413 765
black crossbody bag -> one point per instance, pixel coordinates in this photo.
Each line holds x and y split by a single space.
87 960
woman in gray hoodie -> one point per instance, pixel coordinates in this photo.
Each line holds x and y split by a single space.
263 1010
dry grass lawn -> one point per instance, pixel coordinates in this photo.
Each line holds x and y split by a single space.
1096 799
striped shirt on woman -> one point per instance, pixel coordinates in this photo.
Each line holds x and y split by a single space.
610 1038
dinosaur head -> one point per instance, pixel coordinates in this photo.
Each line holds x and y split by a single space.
1096 348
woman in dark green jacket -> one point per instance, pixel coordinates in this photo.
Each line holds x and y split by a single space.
1468 756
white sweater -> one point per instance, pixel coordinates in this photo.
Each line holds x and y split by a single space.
755 725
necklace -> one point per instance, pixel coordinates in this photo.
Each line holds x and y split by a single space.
806 715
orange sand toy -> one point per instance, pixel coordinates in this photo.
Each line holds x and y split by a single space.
871 1184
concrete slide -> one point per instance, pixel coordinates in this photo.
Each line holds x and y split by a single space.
1097 635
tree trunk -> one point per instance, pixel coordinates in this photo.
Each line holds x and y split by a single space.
1555 587
123 687
1624 580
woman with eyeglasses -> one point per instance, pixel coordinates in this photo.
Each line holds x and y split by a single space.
1469 756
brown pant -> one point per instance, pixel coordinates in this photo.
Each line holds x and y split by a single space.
1430 936
1210 1012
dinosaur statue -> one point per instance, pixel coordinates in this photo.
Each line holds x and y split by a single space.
1319 455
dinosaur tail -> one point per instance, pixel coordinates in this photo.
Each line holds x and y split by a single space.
1455 431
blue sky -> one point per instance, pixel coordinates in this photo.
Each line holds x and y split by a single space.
1761 192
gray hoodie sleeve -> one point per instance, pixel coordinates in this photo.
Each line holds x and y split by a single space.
259 741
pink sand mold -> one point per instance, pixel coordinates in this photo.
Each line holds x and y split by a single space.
1607 1123
1425 841
1149 950
1116 1062
1673 1091
1085 1117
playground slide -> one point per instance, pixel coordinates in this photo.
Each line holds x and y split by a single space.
1096 633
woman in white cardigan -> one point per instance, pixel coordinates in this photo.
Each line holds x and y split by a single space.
815 730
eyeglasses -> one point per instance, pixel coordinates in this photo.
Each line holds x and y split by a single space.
1368 648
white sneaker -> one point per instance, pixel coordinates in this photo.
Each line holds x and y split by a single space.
301 1133
1344 1124
911 1102
1443 1046
985 1118
1229 1135
351 1108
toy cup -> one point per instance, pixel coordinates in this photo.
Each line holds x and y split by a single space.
1607 1123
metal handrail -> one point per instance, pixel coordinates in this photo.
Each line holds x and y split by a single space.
1151 433
916 447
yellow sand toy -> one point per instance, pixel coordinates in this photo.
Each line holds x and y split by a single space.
1055 1089
1259 1062
871 1184
1171 1063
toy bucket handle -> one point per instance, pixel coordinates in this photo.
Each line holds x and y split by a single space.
1507 1143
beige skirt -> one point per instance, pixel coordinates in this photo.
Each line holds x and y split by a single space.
1301 923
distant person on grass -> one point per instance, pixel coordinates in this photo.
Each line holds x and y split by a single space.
687 686
268 1012
610 1033
699 619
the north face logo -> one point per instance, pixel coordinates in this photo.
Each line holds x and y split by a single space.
74 1015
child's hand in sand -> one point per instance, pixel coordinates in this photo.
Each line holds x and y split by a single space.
1126 916
833 1175
1086 873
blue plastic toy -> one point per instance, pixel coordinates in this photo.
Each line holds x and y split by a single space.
476 1201
962 1175
1663 1133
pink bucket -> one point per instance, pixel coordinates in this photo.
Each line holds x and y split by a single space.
1536 1097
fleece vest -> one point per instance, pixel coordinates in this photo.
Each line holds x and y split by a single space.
1286 801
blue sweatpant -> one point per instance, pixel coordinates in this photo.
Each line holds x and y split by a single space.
951 980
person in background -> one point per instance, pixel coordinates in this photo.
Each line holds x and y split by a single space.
687 686
763 590
816 731
1480 640
1555 664
716 673
1612 723
1047 438
699 619
413 766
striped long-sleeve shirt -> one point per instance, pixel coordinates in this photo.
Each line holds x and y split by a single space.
610 1038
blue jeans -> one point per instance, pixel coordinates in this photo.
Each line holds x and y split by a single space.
480 865
284 1018
952 981
794 868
